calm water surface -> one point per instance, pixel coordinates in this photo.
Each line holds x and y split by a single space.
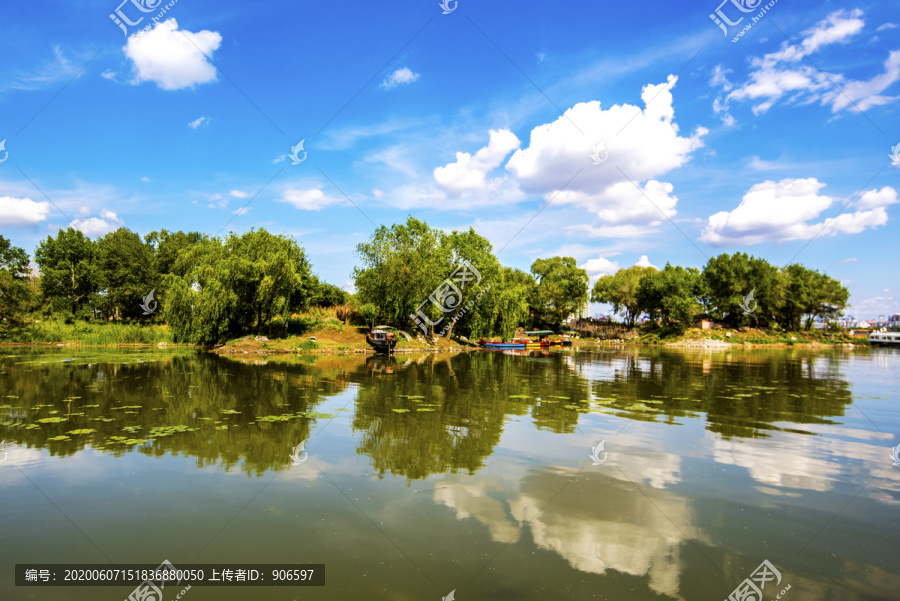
472 472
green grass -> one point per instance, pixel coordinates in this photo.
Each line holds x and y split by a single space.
89 333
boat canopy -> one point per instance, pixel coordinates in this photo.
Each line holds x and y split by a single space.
540 332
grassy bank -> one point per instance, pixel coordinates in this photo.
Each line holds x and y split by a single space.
748 336
49 331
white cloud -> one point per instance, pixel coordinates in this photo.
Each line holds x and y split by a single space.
145 179
239 194
599 267
171 58
242 211
777 75
886 26
648 147
307 199
398 77
470 172
782 211
22 212
850 260
644 261
204 121
98 226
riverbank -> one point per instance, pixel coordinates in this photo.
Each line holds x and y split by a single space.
749 337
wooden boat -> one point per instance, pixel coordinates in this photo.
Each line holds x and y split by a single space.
381 341
884 338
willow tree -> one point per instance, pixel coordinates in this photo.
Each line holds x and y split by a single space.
562 288
236 286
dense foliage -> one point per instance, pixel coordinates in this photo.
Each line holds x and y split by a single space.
411 276
736 290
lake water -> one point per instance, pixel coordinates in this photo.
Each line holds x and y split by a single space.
474 473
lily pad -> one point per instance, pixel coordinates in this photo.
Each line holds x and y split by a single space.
59 438
400 410
82 431
51 420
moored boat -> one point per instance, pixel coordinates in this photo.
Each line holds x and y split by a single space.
884 338
381 341
491 345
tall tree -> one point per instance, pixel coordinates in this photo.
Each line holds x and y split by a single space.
127 272
562 288
741 289
671 294
69 274
16 296
236 286
620 290
401 266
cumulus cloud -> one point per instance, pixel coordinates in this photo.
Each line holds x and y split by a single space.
172 58
204 121
398 77
307 199
779 75
470 172
239 194
787 210
646 149
644 261
22 212
98 226
599 267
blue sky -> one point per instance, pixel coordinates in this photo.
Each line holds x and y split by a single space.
776 143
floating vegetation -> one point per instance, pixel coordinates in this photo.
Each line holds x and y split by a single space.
560 397
276 418
157 431
410 396
82 431
572 407
205 418
221 427
102 419
131 429
315 414
230 411
59 438
421 409
400 410
90 406
32 427
518 396
51 420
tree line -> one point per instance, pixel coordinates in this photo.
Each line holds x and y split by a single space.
211 289
735 290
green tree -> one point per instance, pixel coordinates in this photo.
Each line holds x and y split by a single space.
672 295
401 266
69 274
728 283
369 312
472 314
126 272
236 286
16 296
809 294
620 290
562 289
327 295
510 306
